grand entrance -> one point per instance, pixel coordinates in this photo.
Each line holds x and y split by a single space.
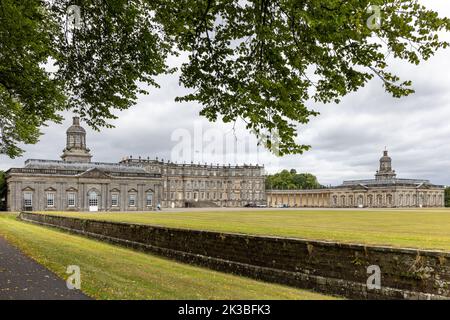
93 201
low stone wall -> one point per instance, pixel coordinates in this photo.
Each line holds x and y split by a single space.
326 267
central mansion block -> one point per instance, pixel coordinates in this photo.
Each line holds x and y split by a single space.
77 184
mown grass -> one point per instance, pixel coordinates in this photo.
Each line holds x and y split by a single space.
416 228
113 272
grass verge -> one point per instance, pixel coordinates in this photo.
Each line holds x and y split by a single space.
113 272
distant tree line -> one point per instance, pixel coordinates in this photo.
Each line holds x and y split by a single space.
2 191
447 197
290 179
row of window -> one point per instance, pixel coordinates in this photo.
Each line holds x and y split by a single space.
93 199
212 196
211 184
213 173
380 200
76 140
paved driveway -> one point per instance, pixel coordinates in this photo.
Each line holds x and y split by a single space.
21 278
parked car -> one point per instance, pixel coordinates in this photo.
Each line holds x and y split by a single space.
250 205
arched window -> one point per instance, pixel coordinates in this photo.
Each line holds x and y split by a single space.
389 199
93 199
360 201
379 200
149 199
78 140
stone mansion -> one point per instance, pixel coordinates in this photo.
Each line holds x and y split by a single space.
135 184
385 191
77 184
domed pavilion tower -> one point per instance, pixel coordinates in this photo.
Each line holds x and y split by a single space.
76 150
385 172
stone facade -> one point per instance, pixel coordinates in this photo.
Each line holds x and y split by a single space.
385 191
318 198
77 184
190 185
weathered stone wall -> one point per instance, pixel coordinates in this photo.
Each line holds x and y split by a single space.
328 267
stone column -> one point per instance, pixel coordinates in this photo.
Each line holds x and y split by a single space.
123 197
141 197
82 200
107 197
61 195
104 196
16 193
79 199
40 195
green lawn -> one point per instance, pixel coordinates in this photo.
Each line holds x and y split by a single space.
113 272
417 228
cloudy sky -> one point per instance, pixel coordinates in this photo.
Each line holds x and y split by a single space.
347 139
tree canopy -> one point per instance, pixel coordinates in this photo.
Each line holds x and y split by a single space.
447 197
260 61
286 180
